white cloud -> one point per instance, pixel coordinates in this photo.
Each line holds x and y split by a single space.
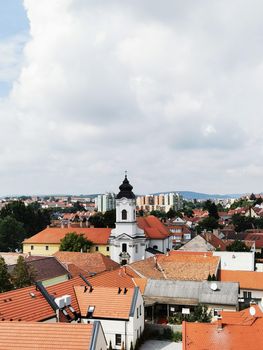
172 93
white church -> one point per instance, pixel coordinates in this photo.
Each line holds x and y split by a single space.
134 238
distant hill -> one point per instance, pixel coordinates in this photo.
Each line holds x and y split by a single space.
196 195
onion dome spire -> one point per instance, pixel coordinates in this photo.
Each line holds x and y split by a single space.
125 189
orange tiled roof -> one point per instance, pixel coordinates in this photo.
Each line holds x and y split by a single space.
153 227
122 277
246 279
20 305
107 301
86 262
191 267
55 234
45 336
232 332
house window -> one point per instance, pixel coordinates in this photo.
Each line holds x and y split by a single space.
124 247
118 339
47 247
32 247
97 248
247 295
108 249
140 310
124 214
136 248
137 312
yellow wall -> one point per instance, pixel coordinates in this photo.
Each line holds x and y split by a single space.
40 249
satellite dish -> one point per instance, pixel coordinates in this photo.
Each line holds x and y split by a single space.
252 311
213 286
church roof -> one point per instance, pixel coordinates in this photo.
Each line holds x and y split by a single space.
125 190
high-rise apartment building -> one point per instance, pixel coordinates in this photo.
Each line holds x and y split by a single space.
105 202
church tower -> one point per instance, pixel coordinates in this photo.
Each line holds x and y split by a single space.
127 240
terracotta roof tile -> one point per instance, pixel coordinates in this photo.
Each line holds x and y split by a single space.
194 267
108 302
232 332
122 277
55 234
153 227
87 262
55 336
246 279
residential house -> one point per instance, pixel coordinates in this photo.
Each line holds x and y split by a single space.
47 242
236 330
250 284
164 298
120 311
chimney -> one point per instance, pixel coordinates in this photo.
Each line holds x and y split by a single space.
219 324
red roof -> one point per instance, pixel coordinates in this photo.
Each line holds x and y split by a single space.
55 234
122 277
240 331
86 262
153 227
28 304
45 336
246 279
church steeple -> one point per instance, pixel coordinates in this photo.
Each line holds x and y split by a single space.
125 190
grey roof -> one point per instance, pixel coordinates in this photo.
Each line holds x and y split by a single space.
192 292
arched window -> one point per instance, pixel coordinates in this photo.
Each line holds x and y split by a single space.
124 214
124 247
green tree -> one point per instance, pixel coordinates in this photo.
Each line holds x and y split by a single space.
211 208
97 220
12 233
23 275
237 246
171 213
73 242
242 223
158 213
33 218
209 223
109 218
201 314
5 279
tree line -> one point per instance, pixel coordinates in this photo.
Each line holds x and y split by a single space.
22 275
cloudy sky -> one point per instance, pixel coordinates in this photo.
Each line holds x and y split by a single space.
170 91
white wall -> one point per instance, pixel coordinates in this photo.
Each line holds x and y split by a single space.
127 329
236 260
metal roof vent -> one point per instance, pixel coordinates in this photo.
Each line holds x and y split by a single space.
213 286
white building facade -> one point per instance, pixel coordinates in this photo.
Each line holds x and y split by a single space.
127 240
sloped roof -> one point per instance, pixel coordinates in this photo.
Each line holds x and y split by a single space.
224 334
192 292
107 301
198 244
54 235
46 336
194 267
46 267
86 262
122 277
153 227
28 304
246 279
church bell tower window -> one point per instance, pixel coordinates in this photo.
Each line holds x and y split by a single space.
124 214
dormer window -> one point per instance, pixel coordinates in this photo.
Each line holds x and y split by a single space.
124 214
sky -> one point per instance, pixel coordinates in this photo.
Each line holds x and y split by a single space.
171 92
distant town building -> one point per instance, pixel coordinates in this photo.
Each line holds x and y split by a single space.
105 202
163 202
